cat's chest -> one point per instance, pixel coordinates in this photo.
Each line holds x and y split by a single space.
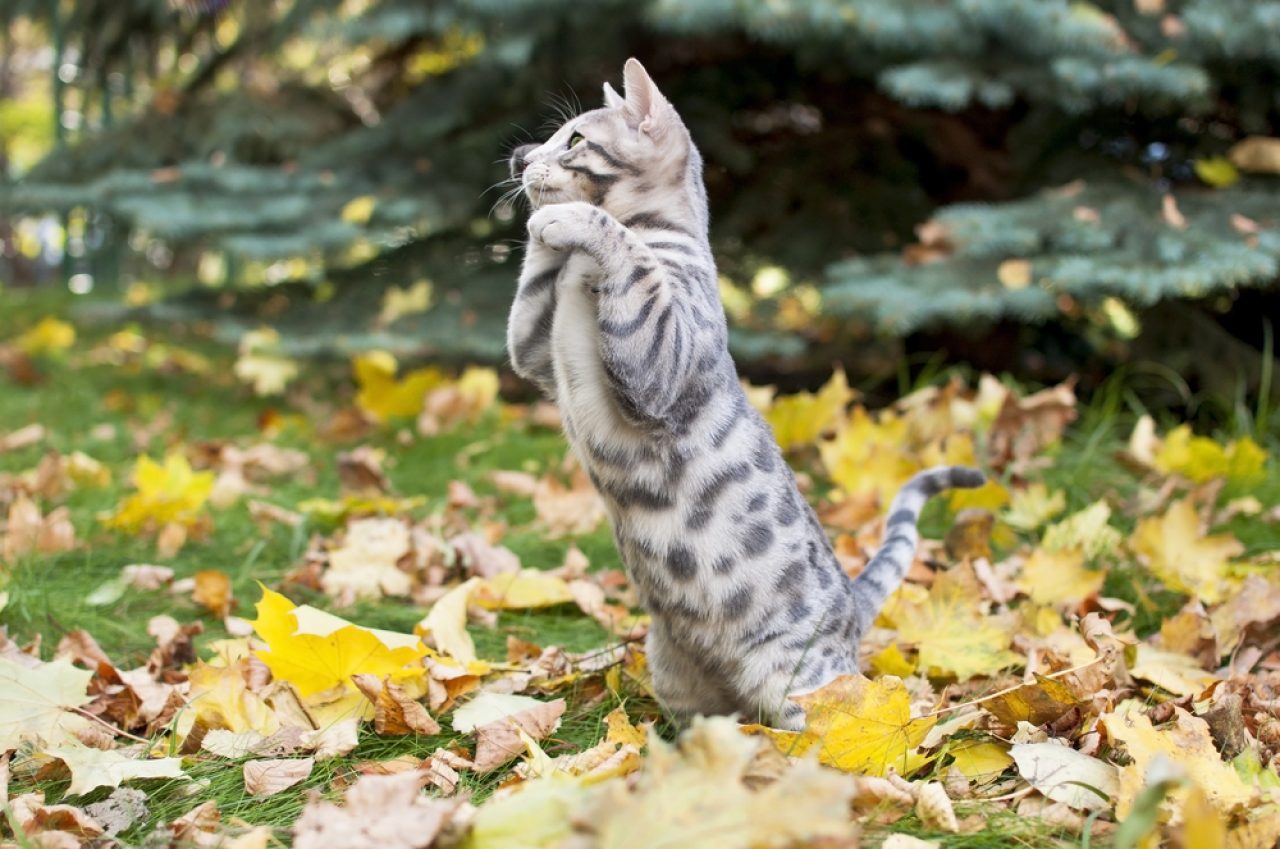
582 385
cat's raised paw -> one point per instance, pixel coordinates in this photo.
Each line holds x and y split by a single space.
562 226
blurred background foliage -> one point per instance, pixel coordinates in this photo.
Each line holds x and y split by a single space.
1035 186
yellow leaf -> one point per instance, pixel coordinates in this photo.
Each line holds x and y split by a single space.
1032 507
397 302
863 726
869 455
622 731
50 335
1217 172
268 374
220 698
446 622
981 761
1087 531
892 661
801 418
166 494
1200 459
318 653
952 635
524 589
991 496
382 395
1185 561
37 703
1172 671
1059 577
359 210
1203 827
93 768
1187 742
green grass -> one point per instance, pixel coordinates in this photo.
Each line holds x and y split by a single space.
48 594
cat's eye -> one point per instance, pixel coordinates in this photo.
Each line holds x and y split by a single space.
576 139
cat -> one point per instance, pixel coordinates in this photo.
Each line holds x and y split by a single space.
617 318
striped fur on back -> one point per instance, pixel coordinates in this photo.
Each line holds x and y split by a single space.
618 319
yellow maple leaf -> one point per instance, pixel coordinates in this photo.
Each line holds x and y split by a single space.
1187 742
397 302
950 633
49 336
869 455
1086 530
1200 459
860 725
219 697
1033 506
801 418
524 589
267 371
980 760
318 653
1059 577
171 493
1186 561
384 396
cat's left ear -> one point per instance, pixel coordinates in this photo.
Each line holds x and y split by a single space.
612 99
645 108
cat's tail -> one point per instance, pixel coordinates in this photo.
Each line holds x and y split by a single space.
889 566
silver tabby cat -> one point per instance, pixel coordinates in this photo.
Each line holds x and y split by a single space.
618 319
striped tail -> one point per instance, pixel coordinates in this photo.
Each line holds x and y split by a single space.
886 570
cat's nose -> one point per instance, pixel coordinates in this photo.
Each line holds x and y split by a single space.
519 158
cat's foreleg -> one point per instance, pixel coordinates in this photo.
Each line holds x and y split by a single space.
648 341
532 313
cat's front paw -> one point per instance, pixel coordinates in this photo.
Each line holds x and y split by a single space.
563 226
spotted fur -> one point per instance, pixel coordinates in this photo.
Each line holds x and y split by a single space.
618 319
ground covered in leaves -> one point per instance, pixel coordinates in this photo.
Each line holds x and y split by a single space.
248 601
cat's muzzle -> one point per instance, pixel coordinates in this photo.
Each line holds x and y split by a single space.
519 159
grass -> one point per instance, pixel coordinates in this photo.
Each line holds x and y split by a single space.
48 596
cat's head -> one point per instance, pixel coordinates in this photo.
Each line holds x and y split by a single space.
614 157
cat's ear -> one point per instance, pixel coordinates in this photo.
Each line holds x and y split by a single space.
612 99
645 108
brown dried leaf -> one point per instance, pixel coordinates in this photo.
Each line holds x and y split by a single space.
568 511
395 713
499 741
213 592
269 777
379 812
360 471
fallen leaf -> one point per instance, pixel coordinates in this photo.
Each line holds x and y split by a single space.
213 592
1200 459
378 812
868 455
166 494
40 701
49 336
499 739
949 632
1187 743
395 714
269 777
799 419
1059 577
528 588
27 531
568 511
1185 560
696 793
397 302
1087 531
365 566
1171 214
982 762
860 725
318 653
446 622
934 808
23 437
384 396
457 402
1067 776
92 768
1217 171
1171 671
